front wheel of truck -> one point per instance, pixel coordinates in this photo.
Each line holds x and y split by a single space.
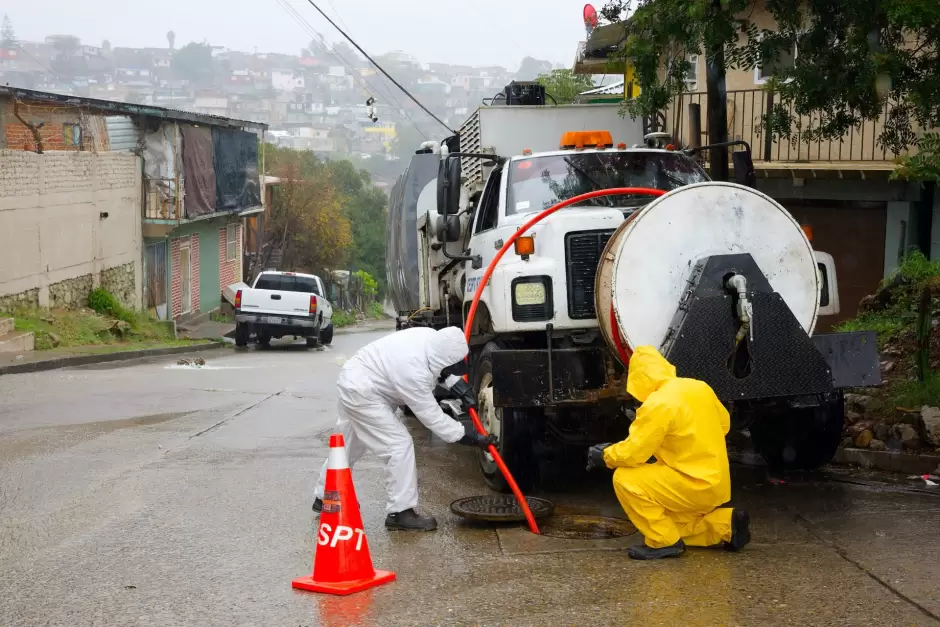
802 438
518 430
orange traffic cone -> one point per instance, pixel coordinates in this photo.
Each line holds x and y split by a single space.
341 564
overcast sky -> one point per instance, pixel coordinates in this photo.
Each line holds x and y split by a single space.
492 32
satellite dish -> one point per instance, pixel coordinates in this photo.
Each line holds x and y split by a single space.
590 18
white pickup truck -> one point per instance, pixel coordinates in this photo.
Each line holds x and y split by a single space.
282 304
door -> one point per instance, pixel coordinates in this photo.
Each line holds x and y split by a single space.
186 279
155 280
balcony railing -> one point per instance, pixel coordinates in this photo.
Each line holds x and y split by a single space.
163 199
746 111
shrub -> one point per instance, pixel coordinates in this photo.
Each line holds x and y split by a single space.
103 302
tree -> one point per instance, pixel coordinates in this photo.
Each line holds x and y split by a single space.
171 39
7 36
857 60
194 62
531 68
564 85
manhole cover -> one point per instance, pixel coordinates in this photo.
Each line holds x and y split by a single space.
575 527
500 507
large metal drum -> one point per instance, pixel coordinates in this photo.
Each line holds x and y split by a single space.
645 269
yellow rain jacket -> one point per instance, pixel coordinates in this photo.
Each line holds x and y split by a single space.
683 425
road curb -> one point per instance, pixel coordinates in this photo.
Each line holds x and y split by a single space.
84 360
892 461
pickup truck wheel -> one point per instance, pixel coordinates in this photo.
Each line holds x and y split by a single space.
326 335
517 429
242 331
800 438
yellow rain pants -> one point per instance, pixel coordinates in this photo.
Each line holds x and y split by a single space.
683 425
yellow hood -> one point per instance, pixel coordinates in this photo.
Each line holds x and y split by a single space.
649 371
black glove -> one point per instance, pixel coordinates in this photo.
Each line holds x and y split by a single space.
595 457
462 390
472 438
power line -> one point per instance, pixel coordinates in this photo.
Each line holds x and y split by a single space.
369 87
379 67
40 64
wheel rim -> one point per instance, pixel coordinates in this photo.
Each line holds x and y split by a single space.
490 417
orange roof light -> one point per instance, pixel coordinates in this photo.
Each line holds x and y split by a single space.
808 230
589 139
621 146
525 245
526 152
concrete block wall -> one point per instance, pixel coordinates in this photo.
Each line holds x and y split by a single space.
230 271
65 217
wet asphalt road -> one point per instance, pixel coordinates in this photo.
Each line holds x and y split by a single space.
150 494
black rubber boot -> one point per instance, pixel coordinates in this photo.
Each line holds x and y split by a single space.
410 520
740 530
643 552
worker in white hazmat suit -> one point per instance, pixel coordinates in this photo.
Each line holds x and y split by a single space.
401 369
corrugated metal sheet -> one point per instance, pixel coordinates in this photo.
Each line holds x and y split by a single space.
122 134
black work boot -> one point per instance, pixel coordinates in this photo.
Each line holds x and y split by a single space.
643 552
740 530
410 520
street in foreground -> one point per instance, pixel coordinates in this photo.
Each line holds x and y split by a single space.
156 494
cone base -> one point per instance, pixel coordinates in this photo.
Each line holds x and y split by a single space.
343 587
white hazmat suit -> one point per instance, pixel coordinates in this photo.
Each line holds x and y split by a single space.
400 369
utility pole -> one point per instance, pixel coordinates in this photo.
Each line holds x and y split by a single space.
717 104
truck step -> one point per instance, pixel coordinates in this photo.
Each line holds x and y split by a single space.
17 342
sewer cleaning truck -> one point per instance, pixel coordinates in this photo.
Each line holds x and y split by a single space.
716 275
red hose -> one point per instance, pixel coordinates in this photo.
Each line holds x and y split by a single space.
616 191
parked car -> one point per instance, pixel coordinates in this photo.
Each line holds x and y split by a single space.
283 304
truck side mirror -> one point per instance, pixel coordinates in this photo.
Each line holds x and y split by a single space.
448 229
744 168
448 186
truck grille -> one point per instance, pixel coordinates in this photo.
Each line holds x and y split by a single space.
583 251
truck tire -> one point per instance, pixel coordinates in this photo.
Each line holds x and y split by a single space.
326 335
800 438
264 339
518 430
242 332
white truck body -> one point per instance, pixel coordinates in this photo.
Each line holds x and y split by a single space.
283 304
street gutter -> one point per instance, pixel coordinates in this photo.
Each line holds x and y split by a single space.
100 358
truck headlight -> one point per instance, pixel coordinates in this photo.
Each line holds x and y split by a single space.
532 299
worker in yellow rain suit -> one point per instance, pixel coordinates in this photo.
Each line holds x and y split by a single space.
676 500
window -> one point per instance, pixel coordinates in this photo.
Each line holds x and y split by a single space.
489 203
72 135
231 242
823 286
691 74
540 182
287 283
785 60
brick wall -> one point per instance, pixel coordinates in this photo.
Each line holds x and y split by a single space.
53 132
176 276
230 271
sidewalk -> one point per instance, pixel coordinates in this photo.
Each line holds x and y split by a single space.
214 330
38 361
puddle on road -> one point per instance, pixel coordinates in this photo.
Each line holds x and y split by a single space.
582 527
45 440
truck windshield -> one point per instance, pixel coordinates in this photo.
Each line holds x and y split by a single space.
287 283
538 183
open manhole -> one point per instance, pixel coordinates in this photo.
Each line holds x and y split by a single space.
500 508
579 527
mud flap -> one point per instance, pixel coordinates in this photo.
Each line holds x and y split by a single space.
852 357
